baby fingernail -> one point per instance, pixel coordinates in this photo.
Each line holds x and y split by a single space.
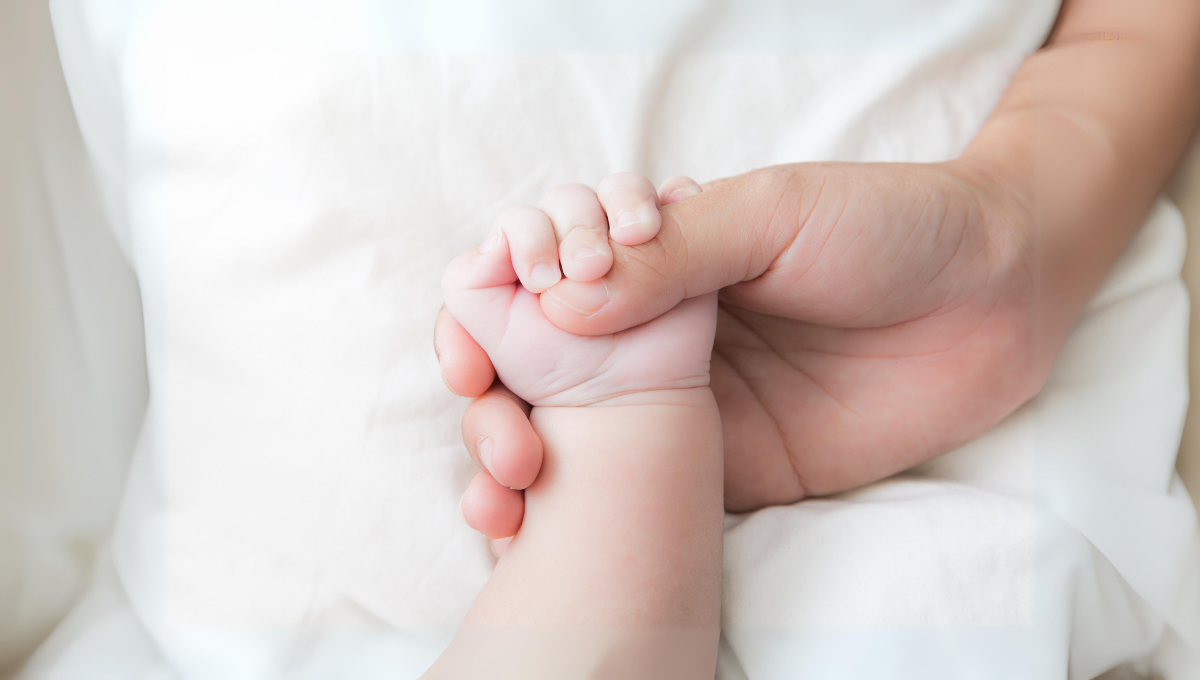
680 194
543 275
581 298
485 453
500 546
490 243
584 253
628 219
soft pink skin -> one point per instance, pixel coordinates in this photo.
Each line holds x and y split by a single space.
876 315
547 366
848 347
493 504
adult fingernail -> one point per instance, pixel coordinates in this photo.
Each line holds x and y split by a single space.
490 242
581 298
543 275
484 448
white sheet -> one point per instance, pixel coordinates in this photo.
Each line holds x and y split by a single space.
290 184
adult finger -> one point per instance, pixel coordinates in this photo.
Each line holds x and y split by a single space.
498 436
491 509
722 236
581 226
631 203
466 368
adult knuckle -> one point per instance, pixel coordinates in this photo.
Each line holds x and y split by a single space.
654 258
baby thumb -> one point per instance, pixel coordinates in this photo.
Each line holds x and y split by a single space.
725 235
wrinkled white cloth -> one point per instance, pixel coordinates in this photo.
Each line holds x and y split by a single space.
289 183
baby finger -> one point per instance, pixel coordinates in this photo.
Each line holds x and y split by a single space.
582 229
631 202
532 245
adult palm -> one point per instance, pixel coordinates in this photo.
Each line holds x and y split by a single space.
872 316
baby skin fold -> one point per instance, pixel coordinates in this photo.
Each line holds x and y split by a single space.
616 570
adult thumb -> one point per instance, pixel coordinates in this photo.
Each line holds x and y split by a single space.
728 234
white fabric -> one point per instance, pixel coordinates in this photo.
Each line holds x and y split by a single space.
290 182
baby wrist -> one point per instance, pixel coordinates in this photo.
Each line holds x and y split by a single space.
701 397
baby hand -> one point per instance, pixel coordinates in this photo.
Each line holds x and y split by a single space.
543 364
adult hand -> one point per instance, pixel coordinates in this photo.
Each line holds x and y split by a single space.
872 316
878 315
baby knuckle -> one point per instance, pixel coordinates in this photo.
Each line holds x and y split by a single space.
621 182
566 194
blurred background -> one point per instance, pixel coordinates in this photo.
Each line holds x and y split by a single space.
65 426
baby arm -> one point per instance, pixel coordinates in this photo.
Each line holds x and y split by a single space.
616 569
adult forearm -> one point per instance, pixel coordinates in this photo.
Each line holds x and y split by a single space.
1086 136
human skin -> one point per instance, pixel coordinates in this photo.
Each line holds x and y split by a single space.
874 316
616 570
